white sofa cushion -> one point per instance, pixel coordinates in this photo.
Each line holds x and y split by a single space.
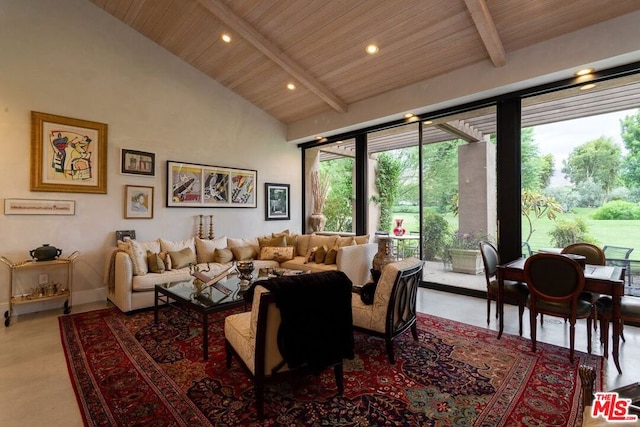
176 245
138 252
205 249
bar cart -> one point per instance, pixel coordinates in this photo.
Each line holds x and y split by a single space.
45 291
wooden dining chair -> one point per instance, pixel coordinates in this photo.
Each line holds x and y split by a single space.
629 311
515 292
555 282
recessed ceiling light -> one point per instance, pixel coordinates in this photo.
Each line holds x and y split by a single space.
584 72
319 137
372 49
226 38
291 86
427 122
408 115
587 86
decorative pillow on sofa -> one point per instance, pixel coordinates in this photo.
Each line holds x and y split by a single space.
320 254
244 253
182 258
311 255
155 262
302 248
276 253
176 245
205 249
138 253
361 240
239 243
345 241
328 241
278 241
223 256
330 257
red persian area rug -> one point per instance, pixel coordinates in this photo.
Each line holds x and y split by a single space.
128 371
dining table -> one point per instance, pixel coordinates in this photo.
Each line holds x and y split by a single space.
601 279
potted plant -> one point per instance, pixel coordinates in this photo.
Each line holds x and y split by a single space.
463 254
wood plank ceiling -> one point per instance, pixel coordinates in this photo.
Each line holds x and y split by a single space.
320 45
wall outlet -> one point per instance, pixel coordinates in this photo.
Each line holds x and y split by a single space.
43 279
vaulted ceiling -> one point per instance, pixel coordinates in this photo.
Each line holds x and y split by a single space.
319 45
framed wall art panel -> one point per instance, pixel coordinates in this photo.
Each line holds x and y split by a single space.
277 202
206 186
138 202
134 162
68 155
39 207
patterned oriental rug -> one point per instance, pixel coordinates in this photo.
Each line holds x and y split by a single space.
128 371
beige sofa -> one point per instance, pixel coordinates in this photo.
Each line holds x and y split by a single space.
130 282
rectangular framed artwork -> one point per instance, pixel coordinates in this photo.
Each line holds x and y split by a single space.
138 202
68 155
133 162
277 202
204 186
39 207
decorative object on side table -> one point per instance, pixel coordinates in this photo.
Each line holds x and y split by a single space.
399 230
125 235
245 270
383 257
46 252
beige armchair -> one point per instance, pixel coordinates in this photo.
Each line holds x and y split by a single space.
253 337
394 303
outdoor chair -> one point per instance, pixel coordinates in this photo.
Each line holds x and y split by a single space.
555 283
515 292
618 256
393 310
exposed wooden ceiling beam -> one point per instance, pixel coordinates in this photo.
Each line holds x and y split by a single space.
268 48
488 33
462 130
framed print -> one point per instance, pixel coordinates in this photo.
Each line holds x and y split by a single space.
205 186
39 207
134 162
68 155
125 235
138 202
277 203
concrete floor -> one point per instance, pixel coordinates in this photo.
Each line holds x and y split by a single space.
35 389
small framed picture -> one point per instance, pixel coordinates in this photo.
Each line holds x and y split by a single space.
138 202
125 235
134 162
277 203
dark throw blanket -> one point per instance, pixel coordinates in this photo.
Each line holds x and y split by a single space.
317 327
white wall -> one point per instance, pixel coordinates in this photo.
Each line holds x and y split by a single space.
69 58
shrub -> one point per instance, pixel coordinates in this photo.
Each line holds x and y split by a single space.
565 233
618 209
434 234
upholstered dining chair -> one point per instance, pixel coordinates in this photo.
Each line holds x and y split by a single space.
594 256
274 341
629 312
515 292
393 310
555 282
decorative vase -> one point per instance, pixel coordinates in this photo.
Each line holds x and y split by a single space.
317 222
468 261
383 257
45 252
398 230
245 270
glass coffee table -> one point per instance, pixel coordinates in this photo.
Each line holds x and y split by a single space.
223 295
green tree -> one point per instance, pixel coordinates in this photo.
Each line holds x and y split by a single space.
531 164
630 133
535 205
387 183
339 205
440 174
598 159
547 169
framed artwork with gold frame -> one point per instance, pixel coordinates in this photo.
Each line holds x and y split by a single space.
68 155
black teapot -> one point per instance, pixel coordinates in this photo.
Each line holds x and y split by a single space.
45 253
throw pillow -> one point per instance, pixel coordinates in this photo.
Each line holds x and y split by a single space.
328 241
277 241
279 254
239 243
331 256
345 241
361 240
244 253
311 255
138 253
205 249
223 256
155 263
176 245
292 240
182 258
302 248
367 293
320 254
164 256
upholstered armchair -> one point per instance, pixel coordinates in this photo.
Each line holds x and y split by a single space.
394 303
259 339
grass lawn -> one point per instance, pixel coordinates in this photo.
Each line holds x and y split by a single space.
615 233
